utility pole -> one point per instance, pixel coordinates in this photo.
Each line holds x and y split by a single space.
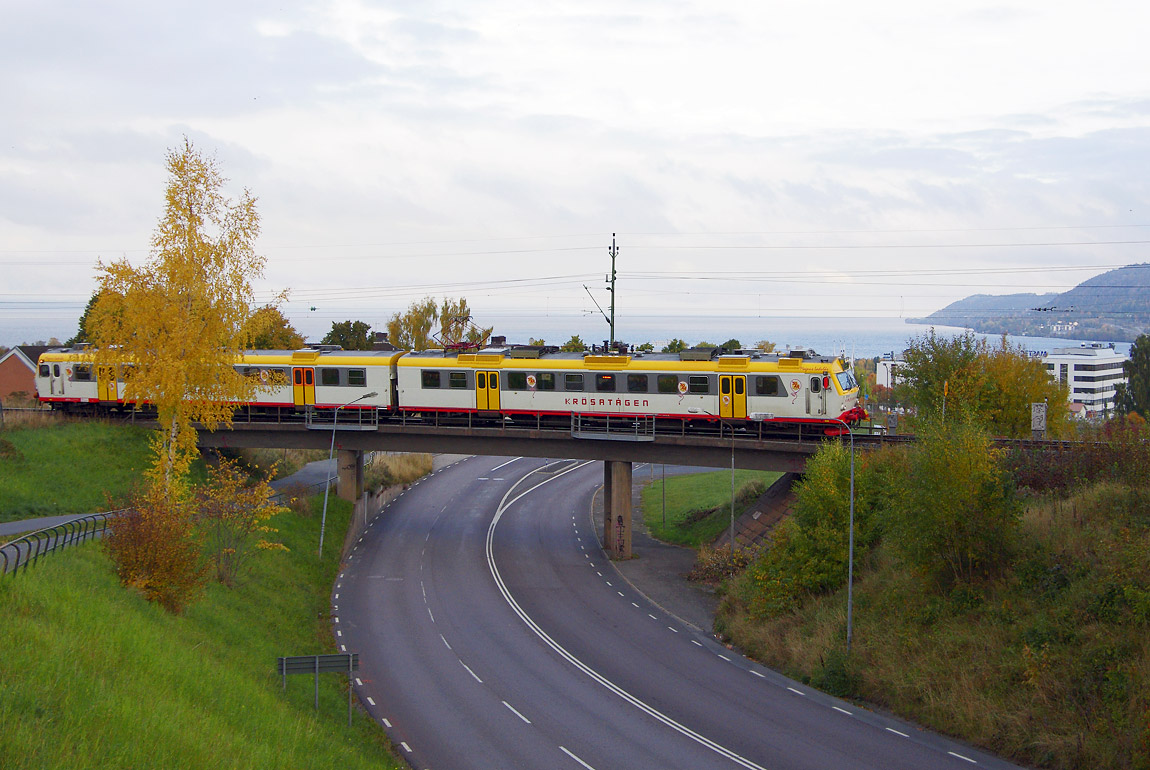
614 252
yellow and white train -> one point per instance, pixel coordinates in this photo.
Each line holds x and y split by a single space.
796 387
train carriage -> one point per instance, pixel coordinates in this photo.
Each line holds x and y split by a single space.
696 384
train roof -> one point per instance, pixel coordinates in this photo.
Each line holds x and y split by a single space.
526 356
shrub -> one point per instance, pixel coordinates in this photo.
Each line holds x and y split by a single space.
234 518
155 550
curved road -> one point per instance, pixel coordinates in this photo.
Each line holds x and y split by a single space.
493 634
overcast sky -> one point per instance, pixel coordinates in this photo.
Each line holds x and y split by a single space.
754 158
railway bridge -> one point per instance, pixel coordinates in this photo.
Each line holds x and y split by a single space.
619 445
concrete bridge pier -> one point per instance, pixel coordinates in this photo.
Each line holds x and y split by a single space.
349 463
617 508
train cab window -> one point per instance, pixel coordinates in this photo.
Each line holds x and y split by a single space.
768 386
697 383
329 376
55 370
44 370
357 377
430 378
457 380
517 380
816 384
847 381
605 383
546 381
573 382
636 383
82 373
668 383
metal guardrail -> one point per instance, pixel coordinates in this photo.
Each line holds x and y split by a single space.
26 550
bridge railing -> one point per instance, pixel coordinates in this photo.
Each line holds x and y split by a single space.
26 550
613 427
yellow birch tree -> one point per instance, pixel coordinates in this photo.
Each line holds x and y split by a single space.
180 321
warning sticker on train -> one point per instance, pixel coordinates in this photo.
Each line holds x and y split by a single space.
683 387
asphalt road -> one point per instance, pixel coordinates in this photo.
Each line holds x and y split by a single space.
493 634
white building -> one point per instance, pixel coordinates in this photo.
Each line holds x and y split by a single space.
1091 373
886 369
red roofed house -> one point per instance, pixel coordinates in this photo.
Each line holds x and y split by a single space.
18 374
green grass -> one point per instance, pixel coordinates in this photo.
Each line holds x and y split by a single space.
93 676
699 504
71 467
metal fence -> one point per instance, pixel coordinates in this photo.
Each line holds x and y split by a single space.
25 551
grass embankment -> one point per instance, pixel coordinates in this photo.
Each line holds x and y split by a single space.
93 676
1047 662
96 677
68 467
699 504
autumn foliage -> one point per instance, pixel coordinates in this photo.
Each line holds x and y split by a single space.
156 550
234 519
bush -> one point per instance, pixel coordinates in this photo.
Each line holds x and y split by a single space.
155 550
956 512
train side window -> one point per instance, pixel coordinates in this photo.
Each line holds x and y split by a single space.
605 383
816 384
357 377
329 376
430 378
457 380
637 383
546 381
697 383
55 370
668 383
82 373
44 370
768 386
573 382
517 380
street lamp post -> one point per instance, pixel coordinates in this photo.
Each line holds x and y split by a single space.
330 454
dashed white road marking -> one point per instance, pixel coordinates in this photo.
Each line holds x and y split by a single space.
358 682
796 692
476 676
758 674
405 747
674 630
448 646
968 759
430 615
386 723
896 732
338 632
568 753
370 701
652 617
848 713
516 713
696 643
636 606
619 592
342 648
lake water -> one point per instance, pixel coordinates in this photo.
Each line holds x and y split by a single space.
856 337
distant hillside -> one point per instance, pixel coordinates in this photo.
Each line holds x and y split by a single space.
1114 306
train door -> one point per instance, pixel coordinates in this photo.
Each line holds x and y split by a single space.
733 396
817 397
303 385
106 383
487 391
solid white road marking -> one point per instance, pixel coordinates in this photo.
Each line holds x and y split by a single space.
448 646
568 753
516 713
504 504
